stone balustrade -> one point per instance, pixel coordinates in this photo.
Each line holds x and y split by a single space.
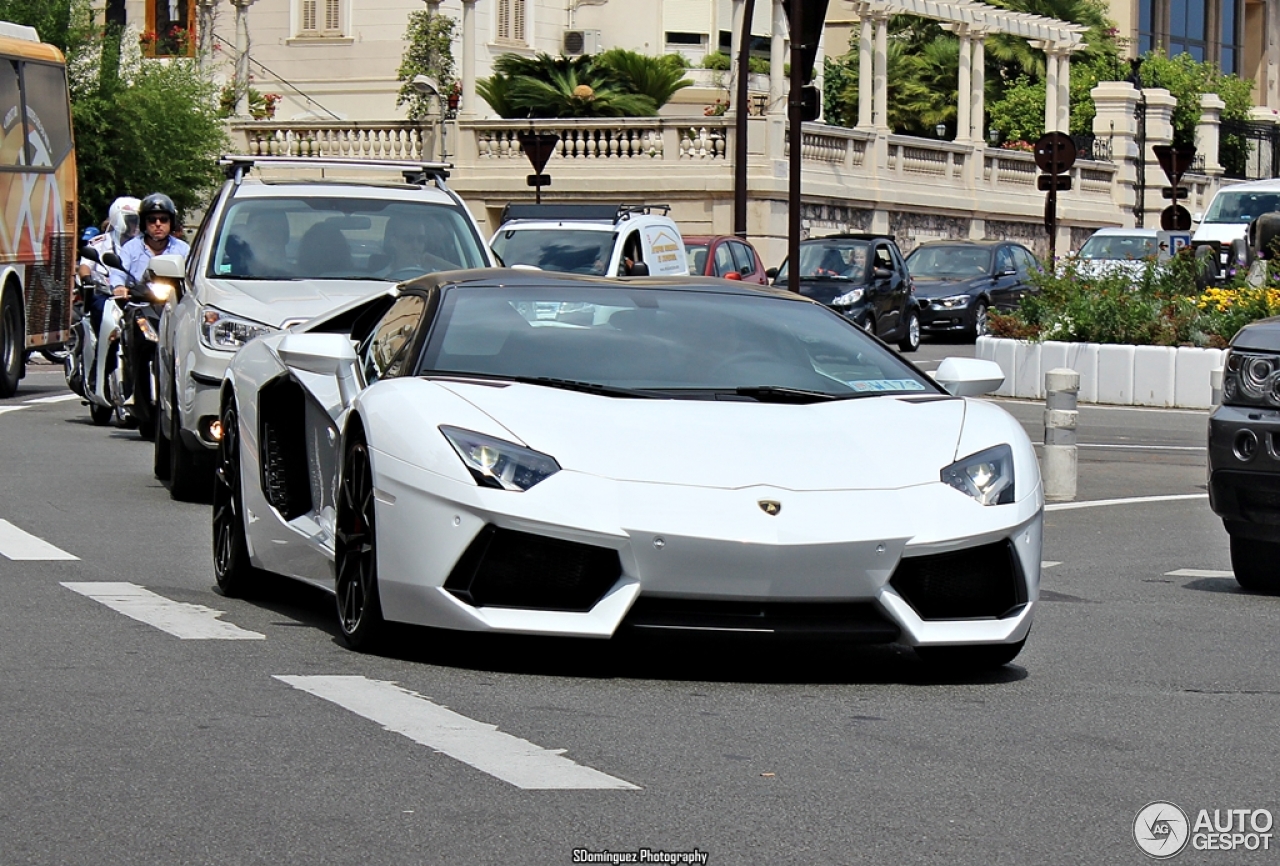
408 140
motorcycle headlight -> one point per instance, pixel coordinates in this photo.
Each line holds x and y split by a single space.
848 299
160 291
1251 379
228 333
497 463
986 476
952 302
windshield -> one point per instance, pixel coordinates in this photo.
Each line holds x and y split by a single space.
1241 207
1119 247
697 257
574 251
342 238
831 259
951 263
662 342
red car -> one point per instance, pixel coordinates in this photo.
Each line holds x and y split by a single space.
724 256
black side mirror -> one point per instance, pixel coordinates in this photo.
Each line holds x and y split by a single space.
88 252
882 273
772 273
112 260
638 269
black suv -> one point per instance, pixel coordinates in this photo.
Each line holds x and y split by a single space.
957 282
1244 455
865 278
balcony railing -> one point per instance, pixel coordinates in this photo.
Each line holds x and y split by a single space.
402 139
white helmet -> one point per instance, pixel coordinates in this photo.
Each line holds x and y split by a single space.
123 217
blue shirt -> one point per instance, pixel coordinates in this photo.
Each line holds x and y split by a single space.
136 255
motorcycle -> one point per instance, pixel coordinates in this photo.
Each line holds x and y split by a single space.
140 330
92 367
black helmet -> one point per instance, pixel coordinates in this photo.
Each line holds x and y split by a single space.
157 202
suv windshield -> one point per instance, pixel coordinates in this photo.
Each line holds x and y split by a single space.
341 238
1241 207
831 259
574 251
1119 247
955 262
675 342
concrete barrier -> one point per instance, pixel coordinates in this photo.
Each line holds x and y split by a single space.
1116 374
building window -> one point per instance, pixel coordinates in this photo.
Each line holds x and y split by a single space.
1205 29
511 21
320 18
170 29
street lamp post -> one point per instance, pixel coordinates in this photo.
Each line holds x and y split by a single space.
941 129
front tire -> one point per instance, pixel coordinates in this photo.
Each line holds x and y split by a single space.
1254 563
189 476
356 548
970 658
911 336
981 322
231 566
13 342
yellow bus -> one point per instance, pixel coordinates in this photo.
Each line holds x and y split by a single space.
37 200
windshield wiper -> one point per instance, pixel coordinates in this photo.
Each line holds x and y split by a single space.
550 382
779 394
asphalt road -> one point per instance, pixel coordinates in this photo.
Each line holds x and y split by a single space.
1148 676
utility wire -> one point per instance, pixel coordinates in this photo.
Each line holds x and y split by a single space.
282 80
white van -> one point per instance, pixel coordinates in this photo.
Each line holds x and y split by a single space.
1228 217
604 240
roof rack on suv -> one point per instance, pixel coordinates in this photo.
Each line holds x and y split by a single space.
579 211
414 171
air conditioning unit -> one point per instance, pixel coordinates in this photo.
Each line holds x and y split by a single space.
581 42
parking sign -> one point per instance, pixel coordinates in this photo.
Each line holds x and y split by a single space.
1171 242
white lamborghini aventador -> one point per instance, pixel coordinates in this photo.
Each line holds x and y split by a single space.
517 451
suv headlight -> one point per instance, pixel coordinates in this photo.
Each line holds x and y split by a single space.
500 464
1251 379
848 299
986 476
228 333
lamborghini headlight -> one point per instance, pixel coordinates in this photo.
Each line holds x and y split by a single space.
498 463
1251 379
986 476
848 299
228 333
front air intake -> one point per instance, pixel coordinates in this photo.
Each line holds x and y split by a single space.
506 568
978 583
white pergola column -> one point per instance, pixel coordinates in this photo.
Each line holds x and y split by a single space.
978 86
964 87
1050 88
1064 91
468 59
866 56
880 74
777 59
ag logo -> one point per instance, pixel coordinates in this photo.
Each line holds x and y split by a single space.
1161 830
770 507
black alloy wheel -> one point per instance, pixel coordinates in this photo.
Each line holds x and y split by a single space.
231 566
189 475
981 324
359 607
13 342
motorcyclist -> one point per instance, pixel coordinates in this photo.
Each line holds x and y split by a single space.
122 226
159 218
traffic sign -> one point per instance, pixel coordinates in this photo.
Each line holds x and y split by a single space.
1169 243
1175 161
1175 218
538 147
1055 152
1171 192
1047 182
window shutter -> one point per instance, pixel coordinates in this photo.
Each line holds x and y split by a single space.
333 16
308 15
517 20
504 19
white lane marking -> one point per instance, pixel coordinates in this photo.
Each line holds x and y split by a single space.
187 621
17 544
1198 572
4 409
60 398
1049 563
482 746
1139 447
1136 500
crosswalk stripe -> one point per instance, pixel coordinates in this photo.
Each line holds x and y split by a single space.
477 744
186 621
4 409
17 544
1198 572
59 398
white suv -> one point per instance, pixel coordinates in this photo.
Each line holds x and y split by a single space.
604 240
1224 226
275 252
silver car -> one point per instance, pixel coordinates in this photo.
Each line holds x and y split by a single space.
272 253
